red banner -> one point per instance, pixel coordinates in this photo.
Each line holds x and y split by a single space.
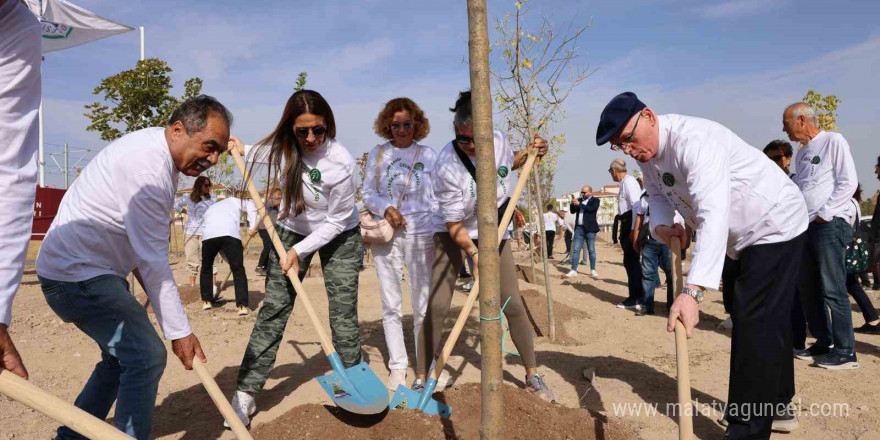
45 208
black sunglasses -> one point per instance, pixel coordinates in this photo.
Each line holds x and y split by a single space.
776 158
396 126
461 139
303 132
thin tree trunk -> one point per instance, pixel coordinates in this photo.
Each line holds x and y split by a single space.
531 239
492 415
551 322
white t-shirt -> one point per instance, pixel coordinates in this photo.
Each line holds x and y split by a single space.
114 218
328 189
19 103
222 219
551 221
628 195
195 213
456 191
417 205
826 174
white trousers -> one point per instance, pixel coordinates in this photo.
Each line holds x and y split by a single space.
417 252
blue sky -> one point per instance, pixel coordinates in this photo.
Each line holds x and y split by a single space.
737 62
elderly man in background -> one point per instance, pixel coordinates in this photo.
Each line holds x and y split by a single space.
628 195
740 204
19 103
826 174
114 220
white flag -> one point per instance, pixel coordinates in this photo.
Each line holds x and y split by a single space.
66 25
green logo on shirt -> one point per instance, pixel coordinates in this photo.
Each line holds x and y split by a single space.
315 175
815 160
502 171
668 179
419 166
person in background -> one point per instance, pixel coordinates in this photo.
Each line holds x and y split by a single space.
874 236
584 209
568 230
398 187
780 152
273 204
222 233
655 255
20 94
551 225
826 174
519 222
872 319
195 204
626 198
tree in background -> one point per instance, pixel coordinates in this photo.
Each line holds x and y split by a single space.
362 169
826 109
136 99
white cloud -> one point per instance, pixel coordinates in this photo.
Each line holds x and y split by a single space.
738 8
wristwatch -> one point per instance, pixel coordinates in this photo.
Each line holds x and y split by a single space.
696 294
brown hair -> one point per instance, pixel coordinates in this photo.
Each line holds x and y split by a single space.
196 195
285 150
382 126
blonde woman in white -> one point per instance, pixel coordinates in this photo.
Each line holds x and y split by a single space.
398 188
196 203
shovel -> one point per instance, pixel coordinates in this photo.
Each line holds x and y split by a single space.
405 398
685 420
57 409
356 389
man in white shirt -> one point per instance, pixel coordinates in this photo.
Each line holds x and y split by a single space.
222 234
739 203
826 174
114 220
627 196
19 102
551 225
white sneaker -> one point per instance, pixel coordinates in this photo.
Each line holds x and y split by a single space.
594 274
571 274
244 406
443 381
397 377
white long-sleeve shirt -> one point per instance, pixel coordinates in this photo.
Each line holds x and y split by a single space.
328 189
222 219
628 195
417 205
456 191
195 214
729 192
568 222
20 94
114 218
826 174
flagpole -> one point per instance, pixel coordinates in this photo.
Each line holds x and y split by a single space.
40 163
142 41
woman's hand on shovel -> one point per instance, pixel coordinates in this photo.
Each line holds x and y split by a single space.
290 265
187 348
235 144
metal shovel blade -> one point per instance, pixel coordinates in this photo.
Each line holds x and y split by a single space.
405 398
356 389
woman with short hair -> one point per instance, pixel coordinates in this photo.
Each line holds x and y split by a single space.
317 216
398 188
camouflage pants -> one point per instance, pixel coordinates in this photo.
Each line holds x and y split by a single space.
340 260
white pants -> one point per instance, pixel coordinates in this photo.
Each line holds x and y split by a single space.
417 251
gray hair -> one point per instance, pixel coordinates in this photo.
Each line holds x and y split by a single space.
618 165
193 113
799 109
464 117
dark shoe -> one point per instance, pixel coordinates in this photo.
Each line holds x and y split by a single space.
261 270
868 329
585 262
786 422
838 361
642 311
811 353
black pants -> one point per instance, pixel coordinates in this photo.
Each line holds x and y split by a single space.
267 247
858 293
761 363
234 253
631 261
549 236
568 236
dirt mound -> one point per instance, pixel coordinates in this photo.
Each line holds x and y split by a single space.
526 418
536 308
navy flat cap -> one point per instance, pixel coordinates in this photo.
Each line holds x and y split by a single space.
616 114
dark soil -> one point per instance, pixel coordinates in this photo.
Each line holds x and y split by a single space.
536 308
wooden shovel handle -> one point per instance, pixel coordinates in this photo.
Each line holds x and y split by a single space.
685 416
56 409
475 290
220 401
282 255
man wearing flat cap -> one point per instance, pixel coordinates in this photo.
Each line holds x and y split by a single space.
740 204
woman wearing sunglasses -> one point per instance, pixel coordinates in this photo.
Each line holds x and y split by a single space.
196 203
455 226
317 215
398 188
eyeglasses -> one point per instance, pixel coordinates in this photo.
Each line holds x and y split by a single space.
628 139
584 192
461 139
396 126
776 158
303 132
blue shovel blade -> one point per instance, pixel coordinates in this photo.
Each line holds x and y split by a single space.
405 398
356 389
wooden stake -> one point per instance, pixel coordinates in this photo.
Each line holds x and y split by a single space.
492 415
